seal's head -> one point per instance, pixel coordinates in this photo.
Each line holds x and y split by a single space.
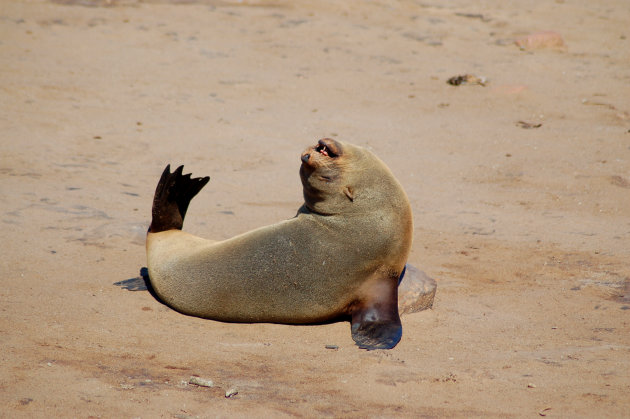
324 176
343 178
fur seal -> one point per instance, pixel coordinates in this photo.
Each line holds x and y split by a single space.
341 256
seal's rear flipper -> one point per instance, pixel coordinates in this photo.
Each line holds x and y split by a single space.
172 196
139 283
375 322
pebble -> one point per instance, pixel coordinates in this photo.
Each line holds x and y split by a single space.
201 382
467 79
541 40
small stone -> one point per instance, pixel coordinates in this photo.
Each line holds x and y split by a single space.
467 79
541 40
231 392
202 382
528 125
416 292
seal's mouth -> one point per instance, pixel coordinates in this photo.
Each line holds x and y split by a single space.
325 149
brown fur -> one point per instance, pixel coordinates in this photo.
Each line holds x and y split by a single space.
340 256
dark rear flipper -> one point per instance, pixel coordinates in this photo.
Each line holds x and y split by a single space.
172 197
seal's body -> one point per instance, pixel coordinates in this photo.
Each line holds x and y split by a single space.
341 256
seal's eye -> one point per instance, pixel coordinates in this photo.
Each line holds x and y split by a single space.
325 150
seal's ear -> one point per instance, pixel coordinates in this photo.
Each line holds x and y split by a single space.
349 193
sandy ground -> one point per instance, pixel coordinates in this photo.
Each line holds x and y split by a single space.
526 227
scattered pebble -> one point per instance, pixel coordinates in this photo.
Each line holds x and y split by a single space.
467 79
332 347
619 114
530 385
473 16
231 392
543 412
541 40
201 382
527 125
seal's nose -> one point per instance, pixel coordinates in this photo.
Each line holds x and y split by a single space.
305 157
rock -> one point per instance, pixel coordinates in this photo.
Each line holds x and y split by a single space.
467 79
541 40
416 291
201 382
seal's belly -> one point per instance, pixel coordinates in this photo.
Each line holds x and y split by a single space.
274 274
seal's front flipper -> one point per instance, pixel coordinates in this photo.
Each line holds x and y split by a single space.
375 321
172 196
376 335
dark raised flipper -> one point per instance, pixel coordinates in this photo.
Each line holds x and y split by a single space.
172 197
